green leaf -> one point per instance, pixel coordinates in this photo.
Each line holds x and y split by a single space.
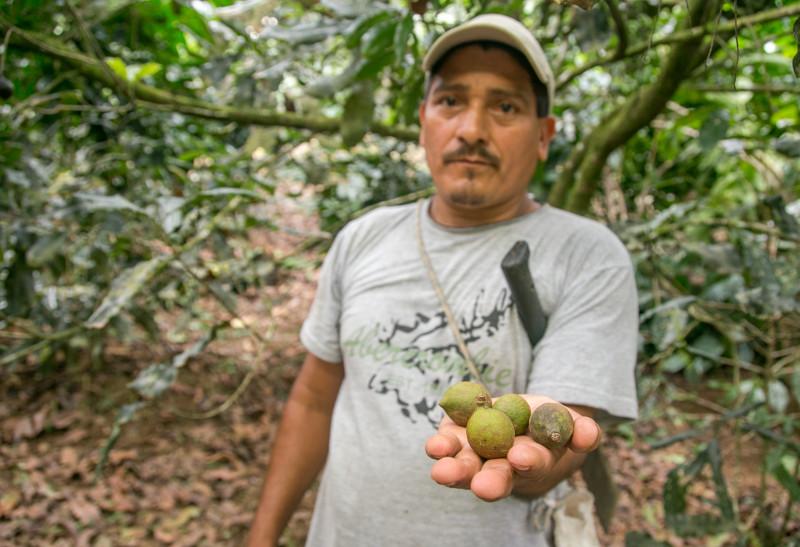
788 481
224 295
670 327
118 66
45 249
123 289
789 147
20 290
723 497
97 202
301 34
753 389
18 178
196 23
714 129
154 380
401 35
678 302
371 68
380 39
229 192
170 214
677 485
357 115
361 28
195 349
726 289
697 369
326 86
674 212
777 396
708 345
676 362
674 495
348 8
143 71
124 415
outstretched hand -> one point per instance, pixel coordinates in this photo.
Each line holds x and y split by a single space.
529 469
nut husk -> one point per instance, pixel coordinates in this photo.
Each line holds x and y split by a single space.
461 399
551 425
490 433
515 407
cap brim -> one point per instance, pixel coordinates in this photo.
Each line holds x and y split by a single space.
495 28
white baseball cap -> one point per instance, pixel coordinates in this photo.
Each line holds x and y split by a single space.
496 28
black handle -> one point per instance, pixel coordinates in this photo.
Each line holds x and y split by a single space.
518 276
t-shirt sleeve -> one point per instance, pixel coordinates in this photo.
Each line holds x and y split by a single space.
588 353
320 331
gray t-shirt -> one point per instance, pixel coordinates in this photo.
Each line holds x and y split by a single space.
376 312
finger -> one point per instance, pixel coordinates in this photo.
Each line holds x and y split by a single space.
456 472
442 445
586 435
494 481
530 459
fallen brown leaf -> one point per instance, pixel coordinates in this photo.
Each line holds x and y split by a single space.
221 474
9 501
116 457
37 422
65 419
69 457
83 510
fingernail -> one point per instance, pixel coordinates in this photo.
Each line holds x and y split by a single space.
524 468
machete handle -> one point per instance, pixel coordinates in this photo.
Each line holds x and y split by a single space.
523 291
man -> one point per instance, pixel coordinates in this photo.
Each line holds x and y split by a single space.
381 351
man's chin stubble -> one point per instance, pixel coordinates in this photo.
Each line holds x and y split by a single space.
465 197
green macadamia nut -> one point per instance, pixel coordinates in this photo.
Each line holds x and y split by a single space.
515 407
551 425
461 399
490 433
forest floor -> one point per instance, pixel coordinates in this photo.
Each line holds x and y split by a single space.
177 479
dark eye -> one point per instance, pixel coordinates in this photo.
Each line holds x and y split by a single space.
507 108
447 100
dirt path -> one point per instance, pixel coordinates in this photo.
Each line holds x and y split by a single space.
176 480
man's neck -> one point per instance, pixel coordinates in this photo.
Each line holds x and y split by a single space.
454 216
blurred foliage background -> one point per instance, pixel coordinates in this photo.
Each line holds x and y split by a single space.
141 141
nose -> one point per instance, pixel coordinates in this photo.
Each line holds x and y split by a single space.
472 125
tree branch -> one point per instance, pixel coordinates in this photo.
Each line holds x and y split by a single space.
622 29
92 47
158 99
689 34
578 180
768 89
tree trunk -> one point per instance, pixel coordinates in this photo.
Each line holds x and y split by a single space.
580 175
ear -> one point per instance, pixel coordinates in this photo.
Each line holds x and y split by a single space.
422 123
547 129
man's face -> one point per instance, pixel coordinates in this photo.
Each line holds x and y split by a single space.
480 131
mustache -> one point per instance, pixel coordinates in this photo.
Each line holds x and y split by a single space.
470 151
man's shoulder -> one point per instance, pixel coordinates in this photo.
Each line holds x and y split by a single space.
378 221
374 229
572 221
583 233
